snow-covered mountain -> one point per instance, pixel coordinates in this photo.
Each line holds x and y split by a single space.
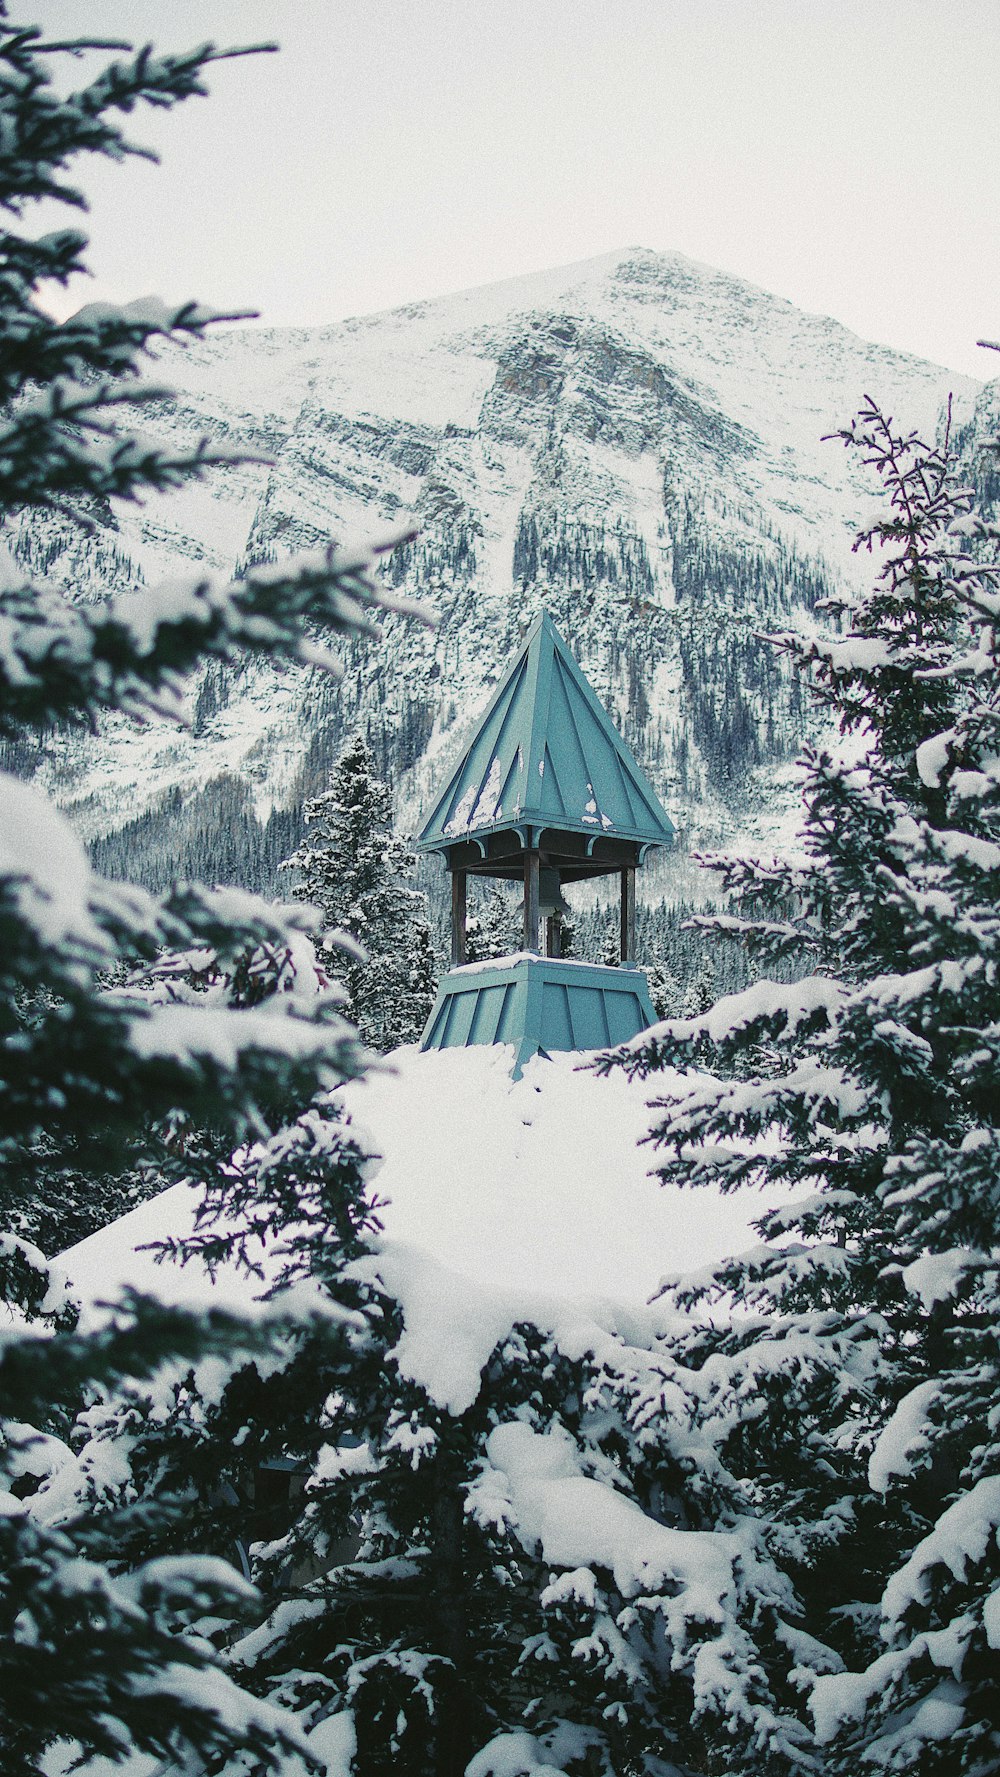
636 441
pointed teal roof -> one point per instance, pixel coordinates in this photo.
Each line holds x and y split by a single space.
546 754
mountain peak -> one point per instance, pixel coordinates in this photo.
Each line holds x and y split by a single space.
634 440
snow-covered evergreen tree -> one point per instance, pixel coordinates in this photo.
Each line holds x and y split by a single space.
611 949
465 1509
516 1537
664 988
94 1651
849 1412
495 925
355 868
485 1561
701 989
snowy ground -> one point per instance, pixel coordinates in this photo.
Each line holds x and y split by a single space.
535 1185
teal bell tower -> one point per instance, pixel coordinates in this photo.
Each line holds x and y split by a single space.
546 794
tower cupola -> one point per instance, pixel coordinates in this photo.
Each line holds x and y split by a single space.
546 794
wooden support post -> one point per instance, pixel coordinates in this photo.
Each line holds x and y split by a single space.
531 916
628 917
458 951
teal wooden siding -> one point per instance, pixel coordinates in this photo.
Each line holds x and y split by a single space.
540 1005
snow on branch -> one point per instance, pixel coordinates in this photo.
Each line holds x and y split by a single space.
220 1037
769 1010
63 448
102 340
903 1443
43 132
765 1278
131 652
579 1522
45 875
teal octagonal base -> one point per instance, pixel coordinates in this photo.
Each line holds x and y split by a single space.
538 1003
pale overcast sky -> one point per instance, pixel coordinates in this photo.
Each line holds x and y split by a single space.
843 153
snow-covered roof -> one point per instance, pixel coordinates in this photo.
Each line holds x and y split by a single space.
546 754
507 1201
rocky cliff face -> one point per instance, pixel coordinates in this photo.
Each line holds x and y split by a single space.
637 442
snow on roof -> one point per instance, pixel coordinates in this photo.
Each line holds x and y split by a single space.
508 1200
